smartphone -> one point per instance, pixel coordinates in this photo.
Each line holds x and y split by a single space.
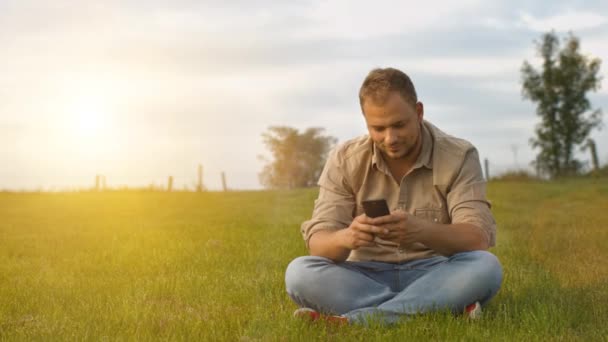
375 208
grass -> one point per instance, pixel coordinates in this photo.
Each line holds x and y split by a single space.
210 266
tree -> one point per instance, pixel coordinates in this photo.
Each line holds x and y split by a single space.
559 91
298 158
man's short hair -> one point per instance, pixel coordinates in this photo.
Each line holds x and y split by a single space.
379 83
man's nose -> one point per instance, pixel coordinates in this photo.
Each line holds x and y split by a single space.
391 136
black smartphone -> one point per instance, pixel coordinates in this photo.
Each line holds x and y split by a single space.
375 208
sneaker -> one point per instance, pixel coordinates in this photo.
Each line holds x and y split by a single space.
473 311
311 315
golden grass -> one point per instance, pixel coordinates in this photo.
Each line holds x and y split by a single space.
210 266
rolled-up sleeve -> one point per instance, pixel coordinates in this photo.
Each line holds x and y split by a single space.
467 201
334 207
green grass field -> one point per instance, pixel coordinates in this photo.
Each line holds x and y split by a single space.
210 266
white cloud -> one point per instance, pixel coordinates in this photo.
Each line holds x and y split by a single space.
597 47
473 66
502 86
198 83
495 23
361 19
568 21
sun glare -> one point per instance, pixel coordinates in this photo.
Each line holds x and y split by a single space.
87 124
89 119
85 111
88 116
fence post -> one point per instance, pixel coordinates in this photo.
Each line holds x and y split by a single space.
199 187
97 182
487 168
170 184
224 181
594 160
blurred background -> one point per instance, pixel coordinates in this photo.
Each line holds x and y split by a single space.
137 91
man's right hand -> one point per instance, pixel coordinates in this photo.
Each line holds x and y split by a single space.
360 233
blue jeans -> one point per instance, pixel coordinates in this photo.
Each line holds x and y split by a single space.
359 290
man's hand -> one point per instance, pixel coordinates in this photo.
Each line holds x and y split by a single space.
360 233
403 228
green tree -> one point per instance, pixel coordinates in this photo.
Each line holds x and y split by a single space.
559 91
298 158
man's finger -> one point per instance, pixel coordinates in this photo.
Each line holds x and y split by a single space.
363 243
392 218
393 227
364 219
371 229
365 236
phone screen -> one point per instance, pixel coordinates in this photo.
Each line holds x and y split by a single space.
375 208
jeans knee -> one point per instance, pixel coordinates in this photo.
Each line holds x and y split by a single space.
485 267
488 268
299 272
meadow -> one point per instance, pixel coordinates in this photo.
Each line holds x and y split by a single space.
137 265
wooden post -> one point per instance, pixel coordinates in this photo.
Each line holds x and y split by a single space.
103 182
97 182
199 187
170 184
514 150
487 168
594 159
224 181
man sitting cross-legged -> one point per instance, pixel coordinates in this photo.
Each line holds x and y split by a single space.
430 253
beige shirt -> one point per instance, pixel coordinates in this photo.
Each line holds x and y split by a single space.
445 185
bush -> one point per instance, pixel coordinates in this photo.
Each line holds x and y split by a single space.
516 175
601 172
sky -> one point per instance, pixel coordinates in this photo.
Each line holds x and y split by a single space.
139 91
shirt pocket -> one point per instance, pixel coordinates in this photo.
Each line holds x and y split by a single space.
430 214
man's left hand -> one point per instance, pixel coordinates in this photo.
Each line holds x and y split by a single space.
404 228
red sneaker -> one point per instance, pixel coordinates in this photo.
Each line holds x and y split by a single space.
473 311
312 316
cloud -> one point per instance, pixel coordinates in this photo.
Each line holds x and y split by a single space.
470 67
360 20
570 20
199 81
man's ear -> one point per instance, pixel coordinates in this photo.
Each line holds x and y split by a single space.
420 111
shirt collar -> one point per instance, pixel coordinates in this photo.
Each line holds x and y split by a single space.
424 159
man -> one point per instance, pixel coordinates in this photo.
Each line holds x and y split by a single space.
430 253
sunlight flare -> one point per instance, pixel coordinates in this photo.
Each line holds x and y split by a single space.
88 116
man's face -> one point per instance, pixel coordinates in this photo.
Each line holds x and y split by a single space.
394 126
